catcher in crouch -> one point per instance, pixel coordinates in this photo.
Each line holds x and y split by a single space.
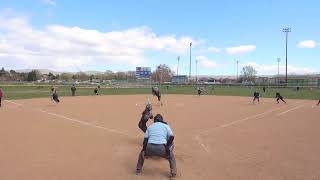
146 115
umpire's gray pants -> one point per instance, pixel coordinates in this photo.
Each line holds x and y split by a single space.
160 151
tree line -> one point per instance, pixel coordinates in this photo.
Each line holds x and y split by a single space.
163 73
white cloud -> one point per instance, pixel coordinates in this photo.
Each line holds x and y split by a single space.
204 62
267 69
64 48
243 49
49 2
214 49
307 44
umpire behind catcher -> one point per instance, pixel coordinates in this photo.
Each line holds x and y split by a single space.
158 141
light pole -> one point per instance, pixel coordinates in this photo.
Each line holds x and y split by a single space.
237 70
286 30
190 63
278 70
178 66
196 71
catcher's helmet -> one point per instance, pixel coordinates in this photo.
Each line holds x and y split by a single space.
149 107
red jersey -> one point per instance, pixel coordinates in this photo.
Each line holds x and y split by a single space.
1 93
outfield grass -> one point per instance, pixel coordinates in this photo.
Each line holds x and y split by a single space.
34 91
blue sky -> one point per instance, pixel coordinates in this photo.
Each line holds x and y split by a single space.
119 35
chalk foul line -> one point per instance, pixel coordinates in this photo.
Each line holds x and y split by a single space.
87 124
76 120
239 121
17 104
294 108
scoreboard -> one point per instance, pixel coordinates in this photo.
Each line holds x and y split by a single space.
143 72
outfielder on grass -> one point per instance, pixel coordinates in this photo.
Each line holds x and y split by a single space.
73 90
199 90
158 142
95 91
1 95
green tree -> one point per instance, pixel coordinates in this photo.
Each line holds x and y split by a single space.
3 72
52 76
34 75
92 77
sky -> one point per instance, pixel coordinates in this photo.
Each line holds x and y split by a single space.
121 35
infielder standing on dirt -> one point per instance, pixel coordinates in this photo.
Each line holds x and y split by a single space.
256 96
1 95
318 103
158 141
156 92
55 96
279 97
146 115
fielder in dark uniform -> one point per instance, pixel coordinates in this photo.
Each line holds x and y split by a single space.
256 96
264 89
1 94
55 96
52 89
95 91
318 102
146 115
279 97
199 91
73 90
156 92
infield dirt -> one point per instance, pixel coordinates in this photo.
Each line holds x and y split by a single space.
216 137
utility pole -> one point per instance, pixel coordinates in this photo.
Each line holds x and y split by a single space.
237 70
178 66
196 71
278 70
190 63
286 30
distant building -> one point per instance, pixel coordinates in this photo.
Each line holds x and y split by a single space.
180 79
